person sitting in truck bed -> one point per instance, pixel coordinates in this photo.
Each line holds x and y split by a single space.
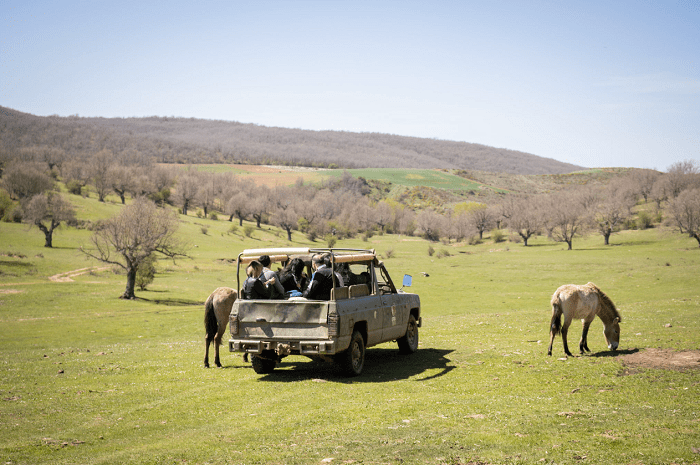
321 281
292 277
253 287
267 275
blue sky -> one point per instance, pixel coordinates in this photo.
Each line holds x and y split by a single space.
594 83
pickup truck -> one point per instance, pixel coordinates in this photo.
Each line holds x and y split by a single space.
365 311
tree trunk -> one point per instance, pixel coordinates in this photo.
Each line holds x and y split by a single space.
258 218
289 234
697 238
48 234
607 238
569 243
130 284
240 221
185 204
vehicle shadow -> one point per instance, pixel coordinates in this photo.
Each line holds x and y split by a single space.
381 365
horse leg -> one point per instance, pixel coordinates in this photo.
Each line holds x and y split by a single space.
583 345
564 333
551 342
217 343
206 353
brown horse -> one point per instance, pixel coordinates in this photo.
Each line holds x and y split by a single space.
584 302
216 312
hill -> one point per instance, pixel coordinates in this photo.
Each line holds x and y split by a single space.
189 140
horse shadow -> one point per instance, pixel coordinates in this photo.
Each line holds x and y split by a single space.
381 366
613 353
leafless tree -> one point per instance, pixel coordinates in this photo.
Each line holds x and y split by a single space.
565 218
382 214
685 210
99 169
683 175
660 190
129 238
76 175
24 180
430 222
481 219
286 219
47 211
238 206
525 218
612 209
260 204
186 190
122 180
642 182
209 190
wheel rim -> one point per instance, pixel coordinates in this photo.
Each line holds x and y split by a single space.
356 356
412 335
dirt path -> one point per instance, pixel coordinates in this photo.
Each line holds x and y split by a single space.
68 276
667 359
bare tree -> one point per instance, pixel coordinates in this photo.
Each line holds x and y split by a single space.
685 210
286 219
481 219
99 169
430 222
525 218
565 218
186 190
683 175
24 180
642 182
382 214
76 175
122 180
238 206
47 211
129 238
612 210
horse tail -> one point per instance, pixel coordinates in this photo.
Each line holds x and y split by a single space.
211 326
555 325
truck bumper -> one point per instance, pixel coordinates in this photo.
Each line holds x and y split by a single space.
282 348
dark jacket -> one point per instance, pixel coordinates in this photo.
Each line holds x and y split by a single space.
321 285
290 284
253 288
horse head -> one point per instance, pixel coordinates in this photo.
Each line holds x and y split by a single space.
612 334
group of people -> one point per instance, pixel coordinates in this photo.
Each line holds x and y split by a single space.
264 283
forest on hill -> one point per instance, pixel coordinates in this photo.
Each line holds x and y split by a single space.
196 141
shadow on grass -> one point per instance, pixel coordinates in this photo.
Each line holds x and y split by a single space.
172 302
614 353
381 365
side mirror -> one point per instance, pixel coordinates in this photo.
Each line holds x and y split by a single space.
407 280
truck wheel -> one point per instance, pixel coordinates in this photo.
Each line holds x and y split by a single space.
353 360
263 366
408 343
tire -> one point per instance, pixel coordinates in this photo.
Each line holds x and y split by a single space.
263 366
352 361
408 343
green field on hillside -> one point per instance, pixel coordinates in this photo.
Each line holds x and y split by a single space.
88 378
437 179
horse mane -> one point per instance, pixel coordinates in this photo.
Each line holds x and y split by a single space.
606 302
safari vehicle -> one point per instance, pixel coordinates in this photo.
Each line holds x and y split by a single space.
367 310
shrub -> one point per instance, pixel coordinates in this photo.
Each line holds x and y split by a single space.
205 230
213 216
146 272
474 240
74 187
431 251
443 253
497 235
330 240
644 220
248 230
233 229
5 203
389 253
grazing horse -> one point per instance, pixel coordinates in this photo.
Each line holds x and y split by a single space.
216 312
584 302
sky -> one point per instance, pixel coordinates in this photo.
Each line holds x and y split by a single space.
593 83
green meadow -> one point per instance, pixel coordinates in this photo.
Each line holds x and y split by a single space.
88 378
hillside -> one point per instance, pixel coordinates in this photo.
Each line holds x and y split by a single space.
189 140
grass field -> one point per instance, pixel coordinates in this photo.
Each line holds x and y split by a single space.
91 379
